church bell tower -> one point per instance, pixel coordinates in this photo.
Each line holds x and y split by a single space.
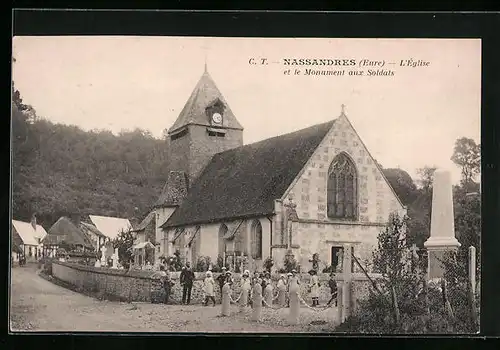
205 126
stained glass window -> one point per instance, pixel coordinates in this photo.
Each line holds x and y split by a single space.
342 188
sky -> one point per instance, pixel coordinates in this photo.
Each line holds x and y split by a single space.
409 120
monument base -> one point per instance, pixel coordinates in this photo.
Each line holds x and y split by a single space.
436 249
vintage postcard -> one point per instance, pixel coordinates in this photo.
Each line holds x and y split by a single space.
245 185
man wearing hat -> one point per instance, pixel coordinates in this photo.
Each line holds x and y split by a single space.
333 289
229 278
186 279
221 280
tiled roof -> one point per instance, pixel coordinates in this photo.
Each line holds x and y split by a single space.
245 181
144 223
174 191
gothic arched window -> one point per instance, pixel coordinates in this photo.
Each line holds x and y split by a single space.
342 188
256 240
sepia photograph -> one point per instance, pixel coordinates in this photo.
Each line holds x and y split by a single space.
245 185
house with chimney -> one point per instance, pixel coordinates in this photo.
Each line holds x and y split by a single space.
27 238
317 190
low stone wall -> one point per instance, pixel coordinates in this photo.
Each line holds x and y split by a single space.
141 285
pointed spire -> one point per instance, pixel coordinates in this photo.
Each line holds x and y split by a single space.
205 71
194 111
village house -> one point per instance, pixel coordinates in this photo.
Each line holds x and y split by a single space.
313 191
71 232
27 239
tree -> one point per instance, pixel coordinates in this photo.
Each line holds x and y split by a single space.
426 177
124 242
467 155
391 258
402 183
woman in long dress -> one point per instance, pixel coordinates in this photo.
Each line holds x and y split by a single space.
226 301
293 292
282 291
245 289
256 301
268 292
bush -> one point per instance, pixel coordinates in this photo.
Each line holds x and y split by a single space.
268 264
218 266
174 263
376 315
202 264
290 263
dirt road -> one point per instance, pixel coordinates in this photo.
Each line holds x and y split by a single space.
39 305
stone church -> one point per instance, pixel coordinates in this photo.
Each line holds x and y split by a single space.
315 190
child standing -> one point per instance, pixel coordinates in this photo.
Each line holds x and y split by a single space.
314 286
209 288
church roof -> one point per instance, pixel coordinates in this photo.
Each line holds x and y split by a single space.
204 94
174 190
245 181
144 223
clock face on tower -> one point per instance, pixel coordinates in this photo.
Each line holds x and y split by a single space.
217 118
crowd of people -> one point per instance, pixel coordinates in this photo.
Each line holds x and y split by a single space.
247 282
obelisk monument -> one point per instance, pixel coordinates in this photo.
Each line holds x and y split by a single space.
442 236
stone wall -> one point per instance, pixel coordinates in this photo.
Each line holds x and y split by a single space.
146 286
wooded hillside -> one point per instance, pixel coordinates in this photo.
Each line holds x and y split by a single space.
60 169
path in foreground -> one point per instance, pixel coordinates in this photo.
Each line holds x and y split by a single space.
39 305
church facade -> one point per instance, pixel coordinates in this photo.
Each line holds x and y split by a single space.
314 191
